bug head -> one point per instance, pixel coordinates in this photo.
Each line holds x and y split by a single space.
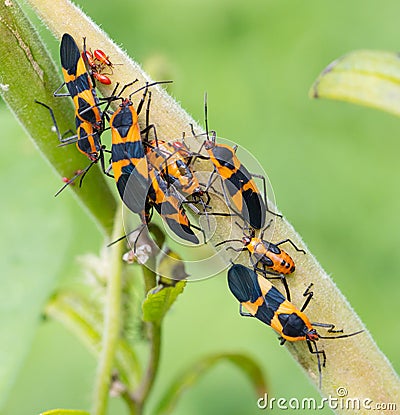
181 148
209 144
312 335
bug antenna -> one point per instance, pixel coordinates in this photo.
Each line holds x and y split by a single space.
341 336
206 115
80 173
242 228
148 86
228 240
125 237
117 240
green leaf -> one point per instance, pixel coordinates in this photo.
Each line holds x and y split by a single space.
190 376
65 412
365 77
23 52
85 320
157 303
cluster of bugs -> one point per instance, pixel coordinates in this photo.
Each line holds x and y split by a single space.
151 173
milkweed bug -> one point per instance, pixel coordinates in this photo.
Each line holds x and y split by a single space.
87 56
102 58
97 62
87 141
128 158
79 84
263 301
236 179
172 160
139 186
103 79
267 255
167 204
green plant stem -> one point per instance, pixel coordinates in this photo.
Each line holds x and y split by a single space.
112 324
144 389
154 332
131 404
149 277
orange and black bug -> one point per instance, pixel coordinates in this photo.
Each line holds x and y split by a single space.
168 206
237 180
263 301
172 159
128 158
268 255
129 163
140 187
167 203
87 140
79 84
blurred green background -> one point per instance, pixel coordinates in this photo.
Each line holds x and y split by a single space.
333 166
